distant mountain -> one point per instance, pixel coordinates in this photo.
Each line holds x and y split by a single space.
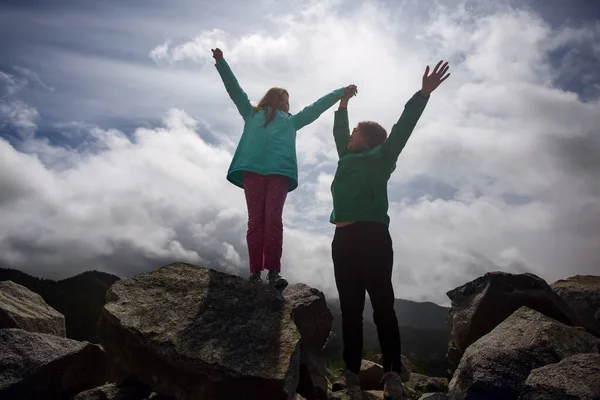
80 298
423 333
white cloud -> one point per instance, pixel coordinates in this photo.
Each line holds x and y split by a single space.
20 116
499 131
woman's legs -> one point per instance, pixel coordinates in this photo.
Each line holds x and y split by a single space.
276 193
255 191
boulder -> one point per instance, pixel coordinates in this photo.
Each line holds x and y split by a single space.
370 375
111 391
407 365
352 394
434 396
310 313
422 383
497 365
313 383
582 293
194 333
480 305
23 309
44 366
575 377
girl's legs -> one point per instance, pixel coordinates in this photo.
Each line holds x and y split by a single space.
255 189
276 193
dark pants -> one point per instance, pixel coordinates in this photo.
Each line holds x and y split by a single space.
362 259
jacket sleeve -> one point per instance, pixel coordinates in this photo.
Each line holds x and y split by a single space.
402 130
236 93
341 131
310 113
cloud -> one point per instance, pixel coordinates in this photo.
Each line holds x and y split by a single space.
500 173
20 116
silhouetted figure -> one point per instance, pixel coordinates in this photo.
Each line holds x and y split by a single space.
362 247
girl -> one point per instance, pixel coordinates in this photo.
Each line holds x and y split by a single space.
362 247
264 165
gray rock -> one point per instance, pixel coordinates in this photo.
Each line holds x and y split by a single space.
407 368
21 308
497 365
195 333
582 293
111 391
576 377
423 383
352 394
313 382
310 313
43 366
434 396
370 375
480 305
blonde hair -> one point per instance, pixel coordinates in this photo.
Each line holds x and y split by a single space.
271 102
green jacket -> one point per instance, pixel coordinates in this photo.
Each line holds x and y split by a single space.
359 187
270 150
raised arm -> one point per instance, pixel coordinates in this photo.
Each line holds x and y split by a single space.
310 113
413 109
236 93
341 126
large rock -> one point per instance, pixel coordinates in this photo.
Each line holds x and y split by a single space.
407 365
434 396
310 313
21 308
111 391
313 381
480 305
497 365
370 375
576 377
425 384
43 366
352 394
195 333
582 293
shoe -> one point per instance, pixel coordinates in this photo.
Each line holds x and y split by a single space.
255 277
393 389
276 280
347 380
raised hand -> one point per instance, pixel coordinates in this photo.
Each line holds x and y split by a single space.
217 54
431 82
350 91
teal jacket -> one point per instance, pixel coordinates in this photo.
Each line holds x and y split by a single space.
359 187
270 150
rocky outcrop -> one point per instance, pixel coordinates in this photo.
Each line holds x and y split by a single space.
423 383
480 305
309 311
575 377
195 333
497 365
582 293
434 396
43 366
110 391
370 375
23 309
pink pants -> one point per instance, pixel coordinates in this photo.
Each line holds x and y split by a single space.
265 197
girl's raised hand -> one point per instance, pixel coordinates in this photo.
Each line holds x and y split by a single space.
217 54
431 82
350 91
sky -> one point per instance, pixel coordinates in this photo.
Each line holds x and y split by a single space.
116 133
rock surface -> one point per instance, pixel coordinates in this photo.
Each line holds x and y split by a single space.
370 375
23 309
357 395
313 383
407 365
423 383
480 305
434 396
310 313
43 366
195 333
110 391
497 365
582 293
575 377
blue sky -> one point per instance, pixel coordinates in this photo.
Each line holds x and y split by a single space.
115 133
